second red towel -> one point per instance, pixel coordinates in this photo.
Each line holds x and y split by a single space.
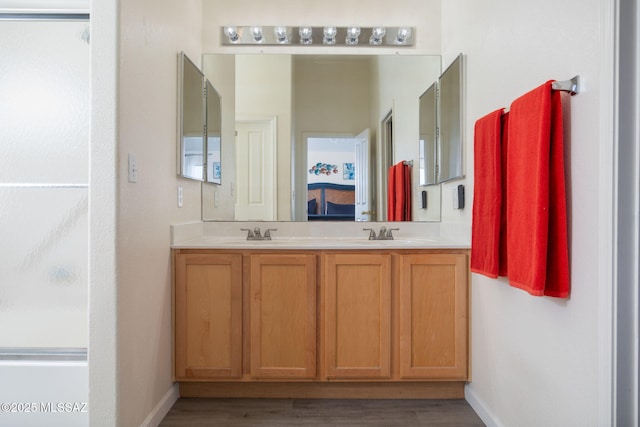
537 238
487 195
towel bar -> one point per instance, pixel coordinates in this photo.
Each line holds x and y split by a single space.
570 86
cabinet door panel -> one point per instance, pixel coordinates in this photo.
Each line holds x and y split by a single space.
433 321
283 316
357 301
208 305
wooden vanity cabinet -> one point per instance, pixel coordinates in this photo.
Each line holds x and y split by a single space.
357 315
332 321
208 316
432 314
242 316
283 315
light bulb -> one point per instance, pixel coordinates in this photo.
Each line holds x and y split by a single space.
352 35
305 35
376 35
329 35
281 34
256 32
232 33
403 36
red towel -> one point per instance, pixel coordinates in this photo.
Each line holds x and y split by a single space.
487 195
504 143
391 194
407 192
536 211
399 191
399 194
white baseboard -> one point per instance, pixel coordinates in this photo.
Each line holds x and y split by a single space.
479 406
158 413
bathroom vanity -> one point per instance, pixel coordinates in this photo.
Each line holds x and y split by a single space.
321 317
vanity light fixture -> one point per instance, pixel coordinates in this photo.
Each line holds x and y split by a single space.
327 35
256 33
352 36
404 34
305 35
377 35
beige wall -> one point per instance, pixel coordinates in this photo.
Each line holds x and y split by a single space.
130 221
539 361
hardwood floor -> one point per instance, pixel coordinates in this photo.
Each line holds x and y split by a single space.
320 412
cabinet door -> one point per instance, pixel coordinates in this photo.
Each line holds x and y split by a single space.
433 316
357 315
283 316
208 316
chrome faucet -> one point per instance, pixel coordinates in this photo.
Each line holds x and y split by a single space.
256 234
384 234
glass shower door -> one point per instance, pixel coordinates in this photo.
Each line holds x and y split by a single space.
44 158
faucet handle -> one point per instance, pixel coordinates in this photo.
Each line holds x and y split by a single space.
390 234
267 233
372 233
250 234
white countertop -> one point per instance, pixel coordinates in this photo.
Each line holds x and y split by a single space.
229 236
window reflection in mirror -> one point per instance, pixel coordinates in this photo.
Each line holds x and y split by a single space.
191 117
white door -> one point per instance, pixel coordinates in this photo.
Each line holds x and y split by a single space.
256 171
363 182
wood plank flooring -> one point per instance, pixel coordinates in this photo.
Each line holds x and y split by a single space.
188 412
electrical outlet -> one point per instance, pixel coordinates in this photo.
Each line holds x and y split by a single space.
179 196
133 168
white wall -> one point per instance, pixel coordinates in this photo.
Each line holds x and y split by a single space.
538 361
135 65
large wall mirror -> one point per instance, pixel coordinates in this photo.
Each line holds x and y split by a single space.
304 123
199 125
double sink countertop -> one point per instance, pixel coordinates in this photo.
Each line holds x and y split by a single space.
287 235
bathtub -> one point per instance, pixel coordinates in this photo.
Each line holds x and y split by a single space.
50 389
